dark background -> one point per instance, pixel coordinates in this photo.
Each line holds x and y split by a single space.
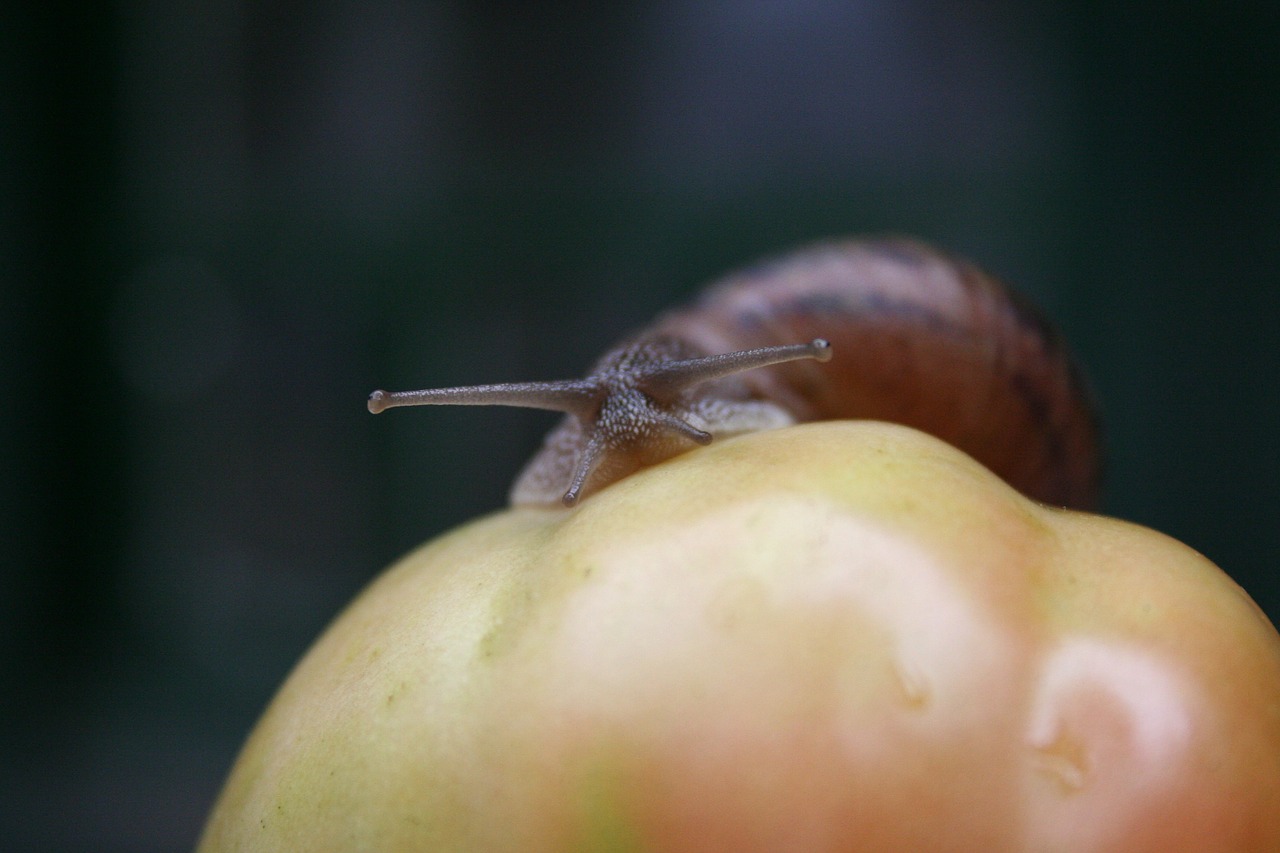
226 221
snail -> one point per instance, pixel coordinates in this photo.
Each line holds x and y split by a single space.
896 331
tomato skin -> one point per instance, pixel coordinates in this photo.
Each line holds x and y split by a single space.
838 636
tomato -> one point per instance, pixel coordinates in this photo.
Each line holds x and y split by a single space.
839 636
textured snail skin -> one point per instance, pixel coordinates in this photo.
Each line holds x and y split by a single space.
652 398
918 338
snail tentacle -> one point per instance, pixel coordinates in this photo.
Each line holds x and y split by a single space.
898 332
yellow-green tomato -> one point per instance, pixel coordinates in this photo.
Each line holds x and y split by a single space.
832 637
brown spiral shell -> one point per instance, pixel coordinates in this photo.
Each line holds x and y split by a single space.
919 338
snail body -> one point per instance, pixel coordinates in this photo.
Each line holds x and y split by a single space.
899 332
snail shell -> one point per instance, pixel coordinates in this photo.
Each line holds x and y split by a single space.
920 338
908 334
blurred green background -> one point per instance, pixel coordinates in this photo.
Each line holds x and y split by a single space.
226 221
